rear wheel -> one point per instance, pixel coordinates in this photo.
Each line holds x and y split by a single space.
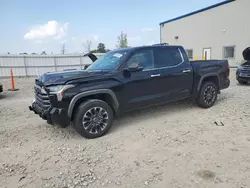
93 118
242 82
207 95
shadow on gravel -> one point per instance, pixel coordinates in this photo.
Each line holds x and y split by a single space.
243 85
162 110
2 96
152 112
9 94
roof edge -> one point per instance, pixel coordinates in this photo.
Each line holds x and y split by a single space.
198 11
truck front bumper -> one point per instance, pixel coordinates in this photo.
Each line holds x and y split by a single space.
243 75
243 78
53 115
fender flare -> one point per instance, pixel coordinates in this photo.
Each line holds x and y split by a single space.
206 76
92 92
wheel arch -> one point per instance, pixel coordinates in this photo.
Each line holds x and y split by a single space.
106 95
212 77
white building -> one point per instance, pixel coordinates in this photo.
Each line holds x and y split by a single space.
221 31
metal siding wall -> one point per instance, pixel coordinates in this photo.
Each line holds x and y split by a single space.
5 72
39 61
86 61
68 61
11 61
31 65
41 70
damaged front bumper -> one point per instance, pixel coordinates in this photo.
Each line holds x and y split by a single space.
53 115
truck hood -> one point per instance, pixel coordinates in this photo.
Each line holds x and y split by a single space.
61 78
246 54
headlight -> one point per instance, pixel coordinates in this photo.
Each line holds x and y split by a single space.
59 90
55 88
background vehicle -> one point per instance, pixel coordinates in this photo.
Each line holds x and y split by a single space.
243 71
124 80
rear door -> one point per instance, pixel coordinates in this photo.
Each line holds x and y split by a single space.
176 74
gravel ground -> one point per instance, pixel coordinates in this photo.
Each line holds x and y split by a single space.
177 145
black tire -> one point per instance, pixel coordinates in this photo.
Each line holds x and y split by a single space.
93 126
205 100
242 82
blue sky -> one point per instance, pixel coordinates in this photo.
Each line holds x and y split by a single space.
33 26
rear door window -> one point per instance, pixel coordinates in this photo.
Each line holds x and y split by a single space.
167 57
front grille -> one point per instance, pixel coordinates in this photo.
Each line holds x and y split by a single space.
42 98
246 70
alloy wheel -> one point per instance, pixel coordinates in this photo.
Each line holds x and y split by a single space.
95 120
209 95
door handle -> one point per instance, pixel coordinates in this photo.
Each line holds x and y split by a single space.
155 75
186 70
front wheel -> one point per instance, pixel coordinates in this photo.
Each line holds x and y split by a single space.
207 95
93 118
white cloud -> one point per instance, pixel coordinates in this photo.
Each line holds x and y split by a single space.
52 29
39 41
147 29
95 37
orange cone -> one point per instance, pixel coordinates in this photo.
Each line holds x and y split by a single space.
12 82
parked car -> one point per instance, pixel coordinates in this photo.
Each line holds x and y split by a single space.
1 88
123 80
243 71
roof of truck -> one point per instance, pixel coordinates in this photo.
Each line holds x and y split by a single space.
143 47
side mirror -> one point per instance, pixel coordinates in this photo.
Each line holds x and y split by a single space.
135 68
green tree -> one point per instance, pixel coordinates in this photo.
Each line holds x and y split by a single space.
101 48
122 41
94 51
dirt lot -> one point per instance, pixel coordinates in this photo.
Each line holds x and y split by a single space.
177 145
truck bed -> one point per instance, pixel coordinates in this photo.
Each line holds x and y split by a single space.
218 68
206 66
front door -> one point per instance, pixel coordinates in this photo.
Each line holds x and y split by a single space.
207 53
139 87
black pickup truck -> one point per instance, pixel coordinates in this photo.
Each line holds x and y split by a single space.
123 80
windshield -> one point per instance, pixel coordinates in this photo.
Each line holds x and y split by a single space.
109 61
